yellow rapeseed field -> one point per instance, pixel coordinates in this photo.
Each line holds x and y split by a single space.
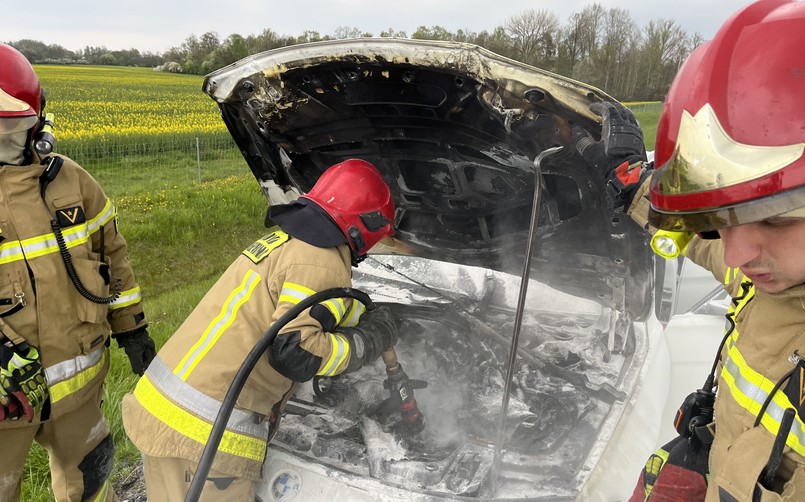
99 103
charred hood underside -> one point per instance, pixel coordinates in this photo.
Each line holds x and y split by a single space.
455 130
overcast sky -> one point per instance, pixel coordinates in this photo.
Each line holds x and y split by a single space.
157 25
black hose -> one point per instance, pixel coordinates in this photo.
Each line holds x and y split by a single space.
228 404
73 275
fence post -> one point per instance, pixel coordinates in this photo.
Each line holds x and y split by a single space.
198 159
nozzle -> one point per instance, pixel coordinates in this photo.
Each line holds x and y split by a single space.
401 394
45 139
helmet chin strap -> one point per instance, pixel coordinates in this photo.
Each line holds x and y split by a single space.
355 237
356 258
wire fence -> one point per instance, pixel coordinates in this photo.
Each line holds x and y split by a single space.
644 106
132 165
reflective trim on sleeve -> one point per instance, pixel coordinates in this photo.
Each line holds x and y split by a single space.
126 298
217 327
71 376
354 314
336 307
340 351
294 293
191 413
107 214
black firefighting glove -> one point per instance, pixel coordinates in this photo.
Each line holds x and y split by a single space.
140 348
620 155
375 333
23 388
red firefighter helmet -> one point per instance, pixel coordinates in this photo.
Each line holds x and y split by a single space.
20 95
731 136
355 196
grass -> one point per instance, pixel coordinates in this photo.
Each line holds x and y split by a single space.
647 114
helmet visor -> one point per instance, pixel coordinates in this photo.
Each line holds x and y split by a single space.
790 203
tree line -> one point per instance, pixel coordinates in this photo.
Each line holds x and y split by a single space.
602 47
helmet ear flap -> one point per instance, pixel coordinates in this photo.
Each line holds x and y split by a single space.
374 220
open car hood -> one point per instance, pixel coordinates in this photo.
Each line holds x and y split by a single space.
455 130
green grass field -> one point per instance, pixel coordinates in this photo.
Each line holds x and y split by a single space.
181 235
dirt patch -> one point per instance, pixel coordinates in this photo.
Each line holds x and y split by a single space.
130 487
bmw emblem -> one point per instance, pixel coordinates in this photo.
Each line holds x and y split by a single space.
286 485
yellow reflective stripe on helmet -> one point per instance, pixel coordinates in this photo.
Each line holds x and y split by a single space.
71 376
219 324
750 390
193 427
356 310
126 298
338 354
294 293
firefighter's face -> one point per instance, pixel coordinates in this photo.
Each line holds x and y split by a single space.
770 252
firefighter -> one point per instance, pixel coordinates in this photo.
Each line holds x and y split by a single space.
730 168
319 237
65 282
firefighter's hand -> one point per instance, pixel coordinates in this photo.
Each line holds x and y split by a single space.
375 333
23 388
619 155
140 349
621 138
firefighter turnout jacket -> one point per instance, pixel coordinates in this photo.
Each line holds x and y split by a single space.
760 374
39 303
172 409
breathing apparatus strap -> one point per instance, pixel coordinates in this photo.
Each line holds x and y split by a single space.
52 168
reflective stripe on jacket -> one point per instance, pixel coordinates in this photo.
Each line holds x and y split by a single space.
69 330
174 405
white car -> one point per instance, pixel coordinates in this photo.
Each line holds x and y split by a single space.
597 370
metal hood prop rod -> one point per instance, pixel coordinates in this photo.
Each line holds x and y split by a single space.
518 316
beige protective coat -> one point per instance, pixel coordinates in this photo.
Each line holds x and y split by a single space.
70 331
173 407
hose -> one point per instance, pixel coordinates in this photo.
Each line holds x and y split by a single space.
52 168
228 404
71 272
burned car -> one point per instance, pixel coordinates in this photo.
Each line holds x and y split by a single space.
531 313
